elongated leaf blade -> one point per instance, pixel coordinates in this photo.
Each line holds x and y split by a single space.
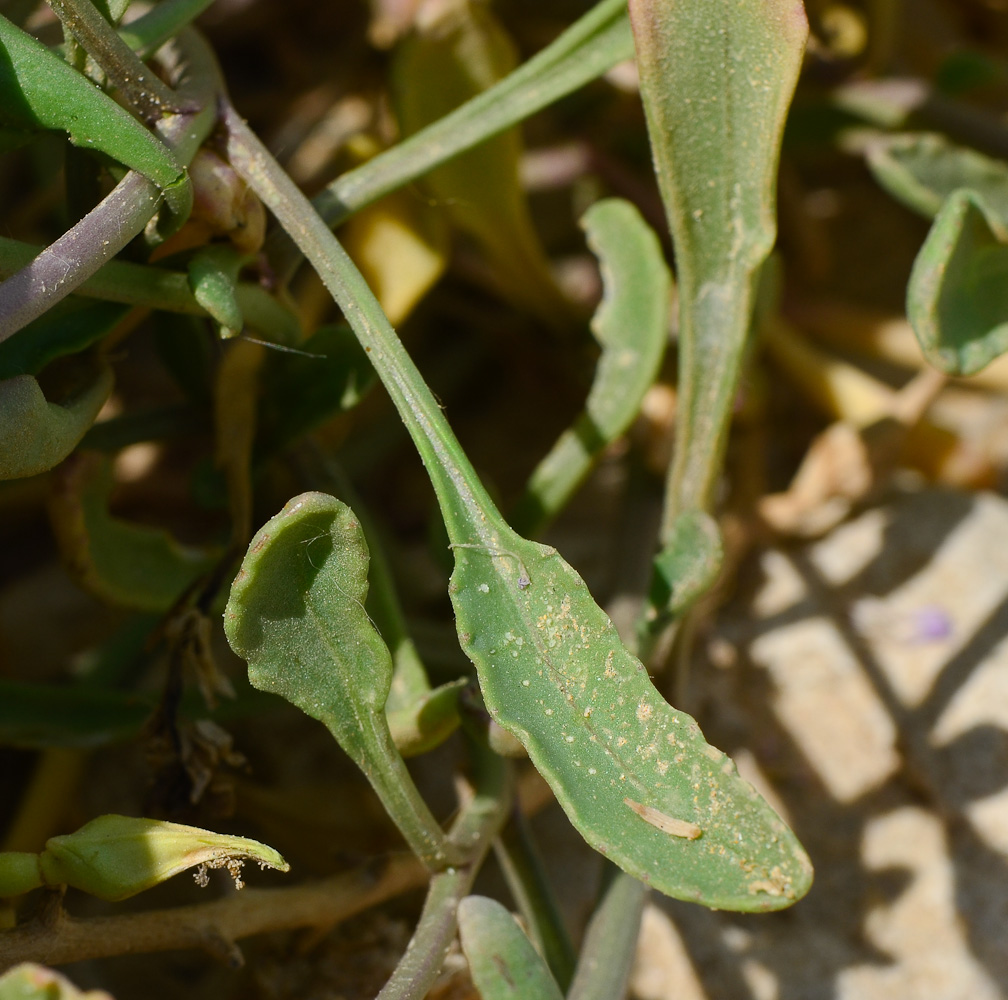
716 82
503 963
717 79
39 90
635 776
631 325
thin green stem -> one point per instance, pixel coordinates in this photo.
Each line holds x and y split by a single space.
459 489
587 49
522 866
386 770
611 939
139 84
476 826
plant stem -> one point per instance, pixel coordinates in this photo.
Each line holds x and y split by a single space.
159 288
611 939
139 84
213 927
460 489
586 50
523 869
64 265
475 828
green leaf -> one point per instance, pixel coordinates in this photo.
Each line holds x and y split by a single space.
296 615
716 81
151 30
36 435
69 328
115 857
634 775
213 277
158 288
957 298
426 721
128 565
923 170
39 90
595 43
35 982
631 326
458 55
687 565
503 963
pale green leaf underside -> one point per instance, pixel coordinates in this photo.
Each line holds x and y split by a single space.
296 614
716 82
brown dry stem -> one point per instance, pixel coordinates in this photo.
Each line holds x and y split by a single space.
213 927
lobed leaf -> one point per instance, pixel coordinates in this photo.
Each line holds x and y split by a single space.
296 615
